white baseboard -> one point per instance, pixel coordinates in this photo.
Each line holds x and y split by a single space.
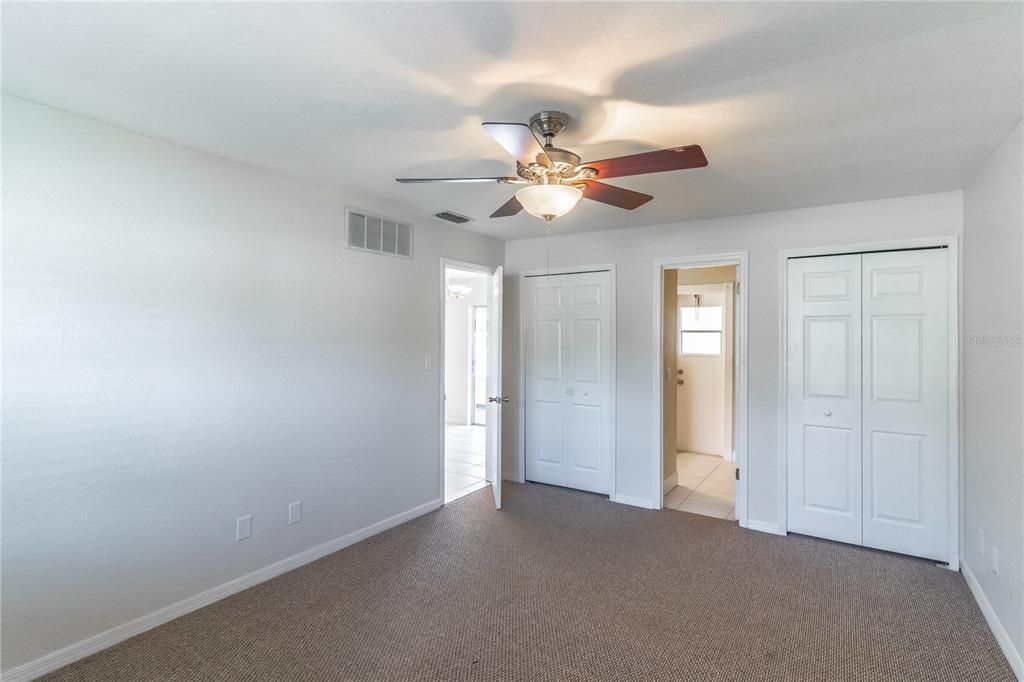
633 501
91 645
764 527
1005 643
671 482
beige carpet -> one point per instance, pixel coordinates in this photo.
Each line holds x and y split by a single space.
567 585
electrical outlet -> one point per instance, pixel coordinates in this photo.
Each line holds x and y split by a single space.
995 559
243 527
981 542
294 513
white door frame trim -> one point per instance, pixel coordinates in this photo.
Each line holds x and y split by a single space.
521 397
461 265
951 243
740 259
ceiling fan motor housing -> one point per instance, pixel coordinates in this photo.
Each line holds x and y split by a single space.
547 124
565 164
562 156
564 168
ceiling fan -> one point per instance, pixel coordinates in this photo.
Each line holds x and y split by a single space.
554 179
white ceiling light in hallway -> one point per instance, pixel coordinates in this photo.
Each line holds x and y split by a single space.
453 292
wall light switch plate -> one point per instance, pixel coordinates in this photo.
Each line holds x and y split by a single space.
294 513
995 559
428 362
981 542
243 527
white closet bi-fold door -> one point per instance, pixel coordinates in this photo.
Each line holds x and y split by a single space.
567 352
868 364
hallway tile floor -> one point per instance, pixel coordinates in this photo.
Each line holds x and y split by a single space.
464 458
706 486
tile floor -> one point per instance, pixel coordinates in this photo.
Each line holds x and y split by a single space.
464 458
707 486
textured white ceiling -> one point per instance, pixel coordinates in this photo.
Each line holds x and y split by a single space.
795 104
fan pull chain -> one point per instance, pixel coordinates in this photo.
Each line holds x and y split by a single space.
547 245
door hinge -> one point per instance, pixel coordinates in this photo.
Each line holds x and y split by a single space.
737 288
737 473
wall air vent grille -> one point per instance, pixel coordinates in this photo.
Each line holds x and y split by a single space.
369 232
452 217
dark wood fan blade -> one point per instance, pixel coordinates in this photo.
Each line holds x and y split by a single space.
495 179
510 207
519 141
614 196
677 158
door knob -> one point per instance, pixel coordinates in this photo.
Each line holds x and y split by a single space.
497 399
680 382
828 413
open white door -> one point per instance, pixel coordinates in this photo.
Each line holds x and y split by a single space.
495 399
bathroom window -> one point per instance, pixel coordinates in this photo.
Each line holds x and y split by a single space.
700 329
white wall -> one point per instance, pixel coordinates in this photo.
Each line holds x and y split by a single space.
993 382
187 340
762 235
458 320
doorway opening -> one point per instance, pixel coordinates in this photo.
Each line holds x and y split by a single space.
470 379
699 391
465 381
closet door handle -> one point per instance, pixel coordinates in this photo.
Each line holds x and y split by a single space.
828 413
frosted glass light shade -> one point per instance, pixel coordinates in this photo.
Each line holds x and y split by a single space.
549 201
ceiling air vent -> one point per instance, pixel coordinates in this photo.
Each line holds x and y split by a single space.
452 217
369 232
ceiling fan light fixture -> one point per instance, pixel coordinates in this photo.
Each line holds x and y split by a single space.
555 179
549 201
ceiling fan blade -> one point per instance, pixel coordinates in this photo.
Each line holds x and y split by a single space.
614 196
519 141
676 158
502 180
510 207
